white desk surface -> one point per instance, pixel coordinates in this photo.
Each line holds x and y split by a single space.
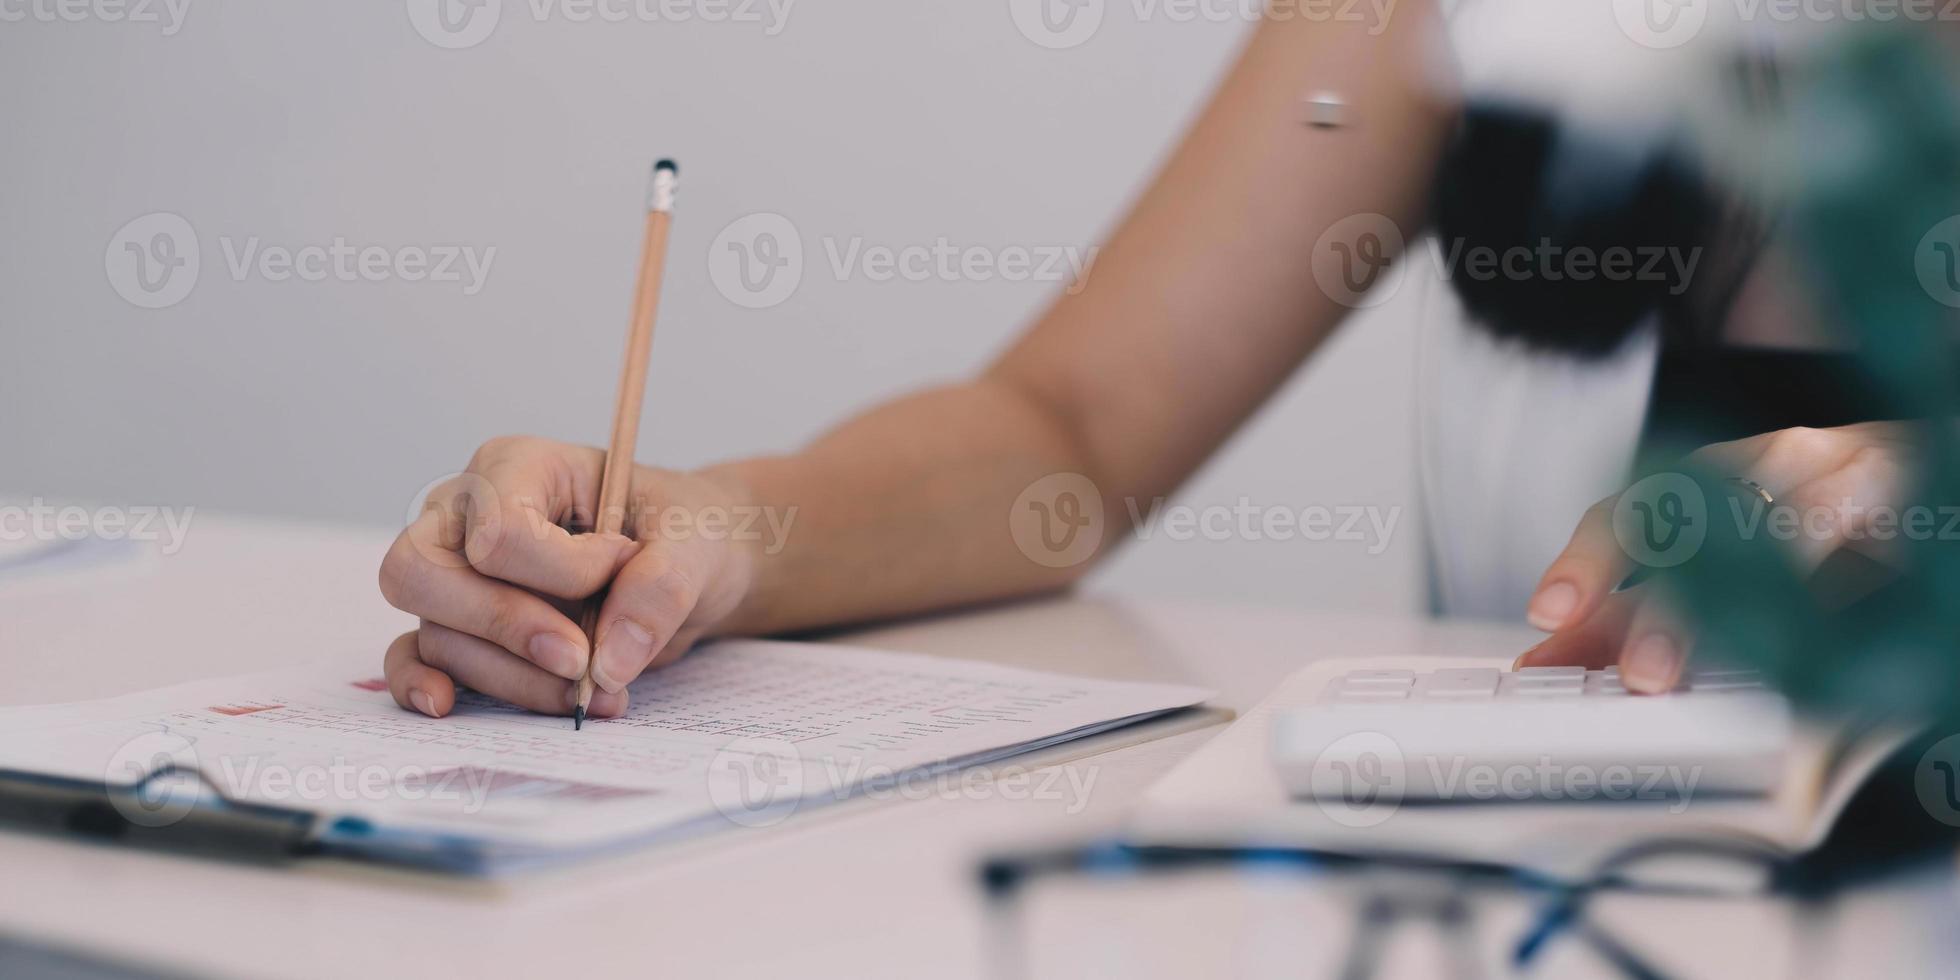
870 888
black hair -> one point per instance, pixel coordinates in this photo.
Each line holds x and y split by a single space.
1516 178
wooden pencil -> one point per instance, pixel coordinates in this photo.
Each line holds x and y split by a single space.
616 482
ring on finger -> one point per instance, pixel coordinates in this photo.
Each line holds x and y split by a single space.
1755 488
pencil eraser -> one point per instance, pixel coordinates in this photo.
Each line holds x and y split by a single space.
668 165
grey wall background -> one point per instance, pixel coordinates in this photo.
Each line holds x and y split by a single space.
897 123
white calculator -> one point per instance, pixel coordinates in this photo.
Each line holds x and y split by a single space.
1481 734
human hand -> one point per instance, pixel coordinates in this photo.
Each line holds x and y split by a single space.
498 582
1835 481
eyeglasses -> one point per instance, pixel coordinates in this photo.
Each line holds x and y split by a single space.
1391 893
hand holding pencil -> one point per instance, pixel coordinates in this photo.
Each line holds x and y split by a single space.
490 550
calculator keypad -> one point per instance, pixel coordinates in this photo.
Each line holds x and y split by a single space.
1465 684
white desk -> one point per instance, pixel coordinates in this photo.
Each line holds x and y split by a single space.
869 888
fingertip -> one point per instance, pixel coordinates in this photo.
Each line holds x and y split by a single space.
625 649
424 703
432 693
595 560
618 541
1553 606
560 654
624 549
607 704
1652 664
414 684
1552 651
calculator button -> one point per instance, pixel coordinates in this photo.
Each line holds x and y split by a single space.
1725 680
1462 682
1726 673
1371 694
1379 678
1608 686
1551 673
1547 690
1720 685
1714 679
1544 682
1521 684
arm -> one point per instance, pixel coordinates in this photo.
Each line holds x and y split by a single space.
1202 304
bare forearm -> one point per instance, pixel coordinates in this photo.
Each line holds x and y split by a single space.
902 509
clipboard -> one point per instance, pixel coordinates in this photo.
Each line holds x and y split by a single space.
216 827
489 800
103 812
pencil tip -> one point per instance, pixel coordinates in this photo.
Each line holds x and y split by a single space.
578 718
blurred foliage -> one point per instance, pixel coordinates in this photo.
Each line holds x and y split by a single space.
1864 154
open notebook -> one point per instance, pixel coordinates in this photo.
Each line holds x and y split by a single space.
1227 794
739 733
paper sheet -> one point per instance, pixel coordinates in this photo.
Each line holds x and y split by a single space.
739 733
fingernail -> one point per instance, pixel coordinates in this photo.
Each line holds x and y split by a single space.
1551 606
423 703
559 655
1524 659
622 652
606 704
1649 667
